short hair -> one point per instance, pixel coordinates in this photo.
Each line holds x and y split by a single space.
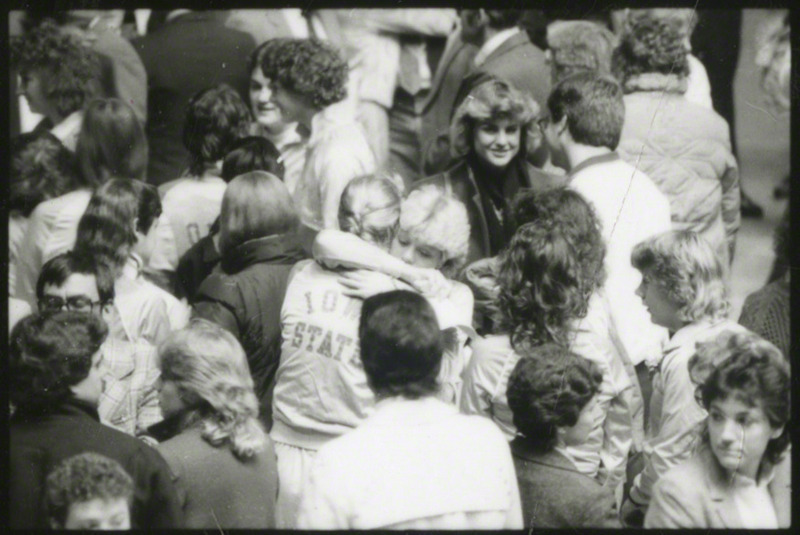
688 269
434 218
105 231
593 106
70 71
215 118
494 100
501 19
548 389
49 353
579 46
210 369
41 168
401 345
83 478
252 153
543 285
748 367
58 269
370 209
111 143
255 205
309 67
652 41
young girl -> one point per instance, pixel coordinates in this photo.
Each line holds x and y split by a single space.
683 288
731 481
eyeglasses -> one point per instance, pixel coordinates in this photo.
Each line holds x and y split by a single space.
77 303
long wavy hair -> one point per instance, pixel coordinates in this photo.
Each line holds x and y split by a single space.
209 368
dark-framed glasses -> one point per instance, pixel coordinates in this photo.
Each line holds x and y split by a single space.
77 303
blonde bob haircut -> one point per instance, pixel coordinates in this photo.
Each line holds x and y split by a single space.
370 209
434 218
686 267
494 100
209 368
255 205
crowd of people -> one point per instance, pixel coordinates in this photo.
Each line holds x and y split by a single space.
386 269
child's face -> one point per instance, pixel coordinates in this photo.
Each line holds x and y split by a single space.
739 434
663 309
578 433
99 514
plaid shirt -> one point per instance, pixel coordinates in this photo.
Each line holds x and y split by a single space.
129 402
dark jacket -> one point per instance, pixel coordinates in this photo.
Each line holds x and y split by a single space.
555 495
245 296
460 181
216 489
39 444
194 266
193 52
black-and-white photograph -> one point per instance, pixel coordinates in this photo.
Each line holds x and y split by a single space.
407 268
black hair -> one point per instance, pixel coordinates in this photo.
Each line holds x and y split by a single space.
252 153
58 269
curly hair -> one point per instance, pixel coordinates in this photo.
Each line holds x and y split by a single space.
652 41
48 353
252 153
215 118
434 218
578 46
68 69
494 100
548 389
82 478
370 209
686 267
111 143
307 66
209 367
748 367
41 168
542 285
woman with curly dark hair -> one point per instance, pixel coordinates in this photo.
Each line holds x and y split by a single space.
553 396
683 146
58 75
56 377
550 291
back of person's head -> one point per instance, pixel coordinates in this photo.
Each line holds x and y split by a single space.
252 153
69 71
370 209
309 67
542 285
49 353
41 168
652 41
493 99
747 367
433 218
111 143
117 209
593 106
215 118
547 390
688 269
502 19
209 368
255 205
401 345
58 269
84 478
579 46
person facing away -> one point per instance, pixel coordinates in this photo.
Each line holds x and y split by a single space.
406 466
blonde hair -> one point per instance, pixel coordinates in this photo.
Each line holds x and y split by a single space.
436 219
209 367
370 209
688 269
255 205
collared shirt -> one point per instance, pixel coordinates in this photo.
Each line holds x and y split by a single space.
129 402
67 131
494 43
337 152
414 464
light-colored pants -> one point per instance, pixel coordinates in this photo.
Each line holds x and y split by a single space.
294 465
